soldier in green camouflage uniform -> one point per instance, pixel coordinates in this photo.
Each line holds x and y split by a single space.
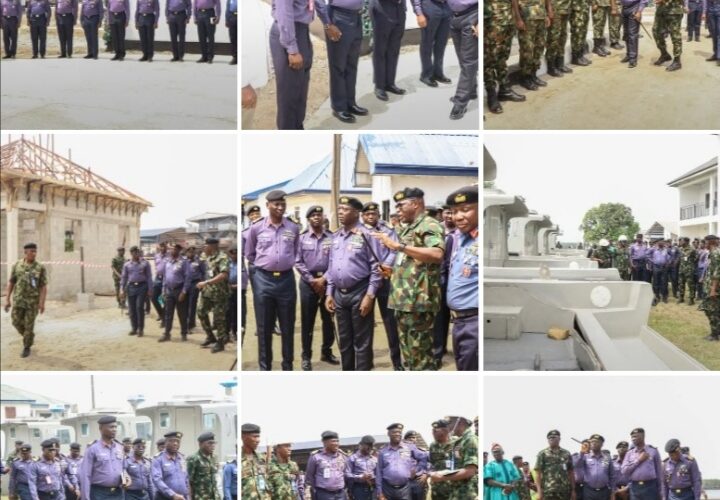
579 19
214 296
415 295
283 475
464 483
557 38
441 457
117 264
253 483
622 259
711 285
602 255
601 12
202 468
532 20
27 287
615 25
554 470
688 264
497 41
668 17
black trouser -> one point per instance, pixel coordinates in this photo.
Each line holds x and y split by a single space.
274 296
441 326
673 278
38 34
146 28
343 57
638 270
434 37
396 492
172 302
10 35
694 21
65 26
206 33
243 312
631 30
231 315
193 296
660 282
310 302
70 495
177 21
117 22
390 322
355 332
90 27
388 30
596 493
644 490
50 495
417 491
136 303
361 491
232 31
292 85
155 299
466 49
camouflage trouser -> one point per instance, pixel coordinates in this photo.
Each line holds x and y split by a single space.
121 303
624 274
615 24
218 307
532 46
416 339
711 306
687 277
600 17
496 49
23 319
555 495
557 36
666 23
579 19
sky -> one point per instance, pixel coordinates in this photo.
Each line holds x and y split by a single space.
182 174
520 410
564 175
353 404
113 390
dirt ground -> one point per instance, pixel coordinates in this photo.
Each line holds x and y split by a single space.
69 339
380 348
609 95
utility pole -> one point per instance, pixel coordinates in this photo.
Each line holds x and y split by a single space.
335 180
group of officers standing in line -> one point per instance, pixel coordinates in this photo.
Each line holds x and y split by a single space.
636 472
422 273
399 470
114 470
116 14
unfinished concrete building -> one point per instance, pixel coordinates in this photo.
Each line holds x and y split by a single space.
76 217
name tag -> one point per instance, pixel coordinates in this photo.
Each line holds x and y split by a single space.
326 473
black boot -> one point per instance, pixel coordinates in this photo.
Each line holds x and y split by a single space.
603 46
587 61
506 93
560 62
691 302
553 70
676 65
528 83
209 340
617 46
597 47
690 37
539 82
664 57
492 100
219 346
625 59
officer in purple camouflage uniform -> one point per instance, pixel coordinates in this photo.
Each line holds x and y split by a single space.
598 473
147 15
311 263
10 15
118 17
91 12
66 14
176 288
45 477
177 14
398 464
139 469
169 471
643 468
18 487
682 479
72 485
360 471
102 467
325 470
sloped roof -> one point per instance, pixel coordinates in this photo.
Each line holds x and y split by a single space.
712 162
29 160
9 393
149 233
209 216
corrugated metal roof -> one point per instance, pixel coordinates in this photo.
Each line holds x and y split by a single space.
11 393
713 162
209 216
149 233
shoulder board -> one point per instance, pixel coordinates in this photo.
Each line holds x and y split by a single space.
118 442
258 220
651 446
421 449
690 457
666 459
157 454
304 230
343 452
95 441
315 452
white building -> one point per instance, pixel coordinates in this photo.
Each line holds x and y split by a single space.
698 200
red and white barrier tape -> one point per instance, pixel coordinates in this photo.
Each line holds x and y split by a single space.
69 263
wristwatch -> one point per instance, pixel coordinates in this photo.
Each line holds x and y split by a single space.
402 247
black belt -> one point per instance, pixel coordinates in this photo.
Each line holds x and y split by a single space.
10 17
329 491
357 286
147 13
39 15
681 490
109 489
642 483
394 486
318 274
49 493
465 313
207 10
173 288
117 13
275 274
343 9
138 283
466 11
65 14
178 12
598 489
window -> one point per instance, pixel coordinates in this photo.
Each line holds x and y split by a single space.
12 432
143 430
36 433
63 435
210 421
72 234
707 200
164 420
10 412
84 429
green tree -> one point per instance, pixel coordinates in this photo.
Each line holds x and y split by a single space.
609 220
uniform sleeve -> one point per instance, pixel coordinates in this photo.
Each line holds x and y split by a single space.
300 264
286 23
227 479
390 258
160 485
539 462
148 273
321 9
378 474
187 284
310 472
13 480
156 10
137 11
349 476
32 481
250 244
13 275
218 9
191 464
470 453
84 472
433 236
659 472
696 477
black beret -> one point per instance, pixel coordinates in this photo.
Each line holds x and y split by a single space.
408 193
394 426
637 430
160 441
431 210
253 209
369 440
622 444
206 436
19 441
134 249
174 434
127 440
315 209
107 419
75 446
329 435
211 241
138 441
250 429
446 206
349 200
276 195
25 447
440 423
409 434
29 246
369 206
598 437
553 432
467 194
685 450
672 445
710 237
517 457
120 248
452 419
48 443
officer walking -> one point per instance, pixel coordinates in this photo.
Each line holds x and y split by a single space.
66 14
157 286
215 293
597 471
230 483
147 15
176 287
207 14
343 34
44 477
554 470
682 479
292 55
711 288
231 25
398 464
464 33
284 474
270 249
28 288
325 471
643 468
353 279
360 471
415 294
91 12
118 17
135 282
139 470
101 473
170 471
38 17
10 15
433 17
198 270
312 261
177 14
668 17
72 484
688 264
21 467
202 467
116 264
254 473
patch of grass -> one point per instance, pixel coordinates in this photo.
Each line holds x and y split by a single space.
686 327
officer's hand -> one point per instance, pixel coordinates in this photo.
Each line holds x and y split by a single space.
422 21
366 305
249 97
638 16
214 20
520 24
435 477
422 479
41 308
713 293
643 456
295 61
476 32
548 22
381 497
613 12
201 285
330 304
594 8
178 497
7 305
333 33
181 298
573 495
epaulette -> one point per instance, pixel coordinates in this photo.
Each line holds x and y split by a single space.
690 457
95 441
258 220
314 452
305 230
118 442
666 459
157 454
